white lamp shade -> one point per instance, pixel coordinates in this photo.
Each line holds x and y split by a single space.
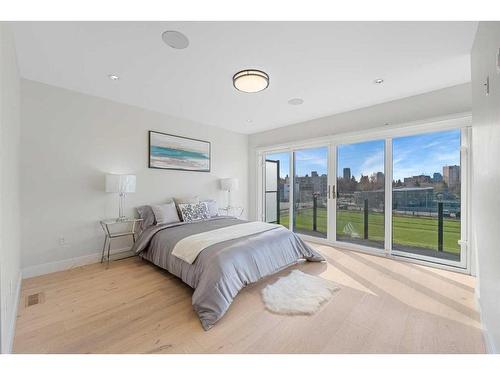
229 184
120 183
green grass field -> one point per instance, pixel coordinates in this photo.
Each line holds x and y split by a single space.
407 230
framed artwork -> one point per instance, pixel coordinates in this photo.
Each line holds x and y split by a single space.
167 151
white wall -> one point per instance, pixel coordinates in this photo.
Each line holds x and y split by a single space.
451 100
71 140
486 176
9 187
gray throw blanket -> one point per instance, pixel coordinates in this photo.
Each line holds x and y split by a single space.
223 269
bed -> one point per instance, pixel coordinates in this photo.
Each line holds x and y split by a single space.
232 253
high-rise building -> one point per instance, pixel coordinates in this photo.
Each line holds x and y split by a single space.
380 177
347 174
451 175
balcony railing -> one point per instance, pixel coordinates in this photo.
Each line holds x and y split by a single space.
413 231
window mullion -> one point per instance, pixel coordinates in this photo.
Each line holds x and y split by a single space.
388 196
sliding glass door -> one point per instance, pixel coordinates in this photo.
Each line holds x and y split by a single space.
310 192
299 202
277 188
360 199
426 195
341 192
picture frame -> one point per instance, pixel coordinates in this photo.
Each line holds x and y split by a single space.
174 152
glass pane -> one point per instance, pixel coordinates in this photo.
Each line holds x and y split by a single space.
277 188
310 191
271 208
271 175
361 193
426 194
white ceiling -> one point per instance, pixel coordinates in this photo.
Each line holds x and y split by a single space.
330 65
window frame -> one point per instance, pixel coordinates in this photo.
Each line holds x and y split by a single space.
461 121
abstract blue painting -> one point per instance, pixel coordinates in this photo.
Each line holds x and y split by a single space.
168 151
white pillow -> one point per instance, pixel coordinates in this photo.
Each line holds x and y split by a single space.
165 213
194 212
213 209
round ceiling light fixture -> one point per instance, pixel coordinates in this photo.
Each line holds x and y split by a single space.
296 101
378 81
175 39
250 80
113 77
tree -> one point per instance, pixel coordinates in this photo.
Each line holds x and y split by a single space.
364 183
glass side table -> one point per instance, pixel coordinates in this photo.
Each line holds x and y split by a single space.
127 226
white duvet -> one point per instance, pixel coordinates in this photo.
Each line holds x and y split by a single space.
189 247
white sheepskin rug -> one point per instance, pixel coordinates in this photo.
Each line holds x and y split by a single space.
298 294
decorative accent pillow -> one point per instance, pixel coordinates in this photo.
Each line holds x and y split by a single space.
213 209
165 213
147 216
194 212
185 200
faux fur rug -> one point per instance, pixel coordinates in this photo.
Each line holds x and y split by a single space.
298 294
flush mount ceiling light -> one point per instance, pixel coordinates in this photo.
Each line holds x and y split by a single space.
175 39
113 77
250 80
378 81
296 101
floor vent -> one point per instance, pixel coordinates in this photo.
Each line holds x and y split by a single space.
34 299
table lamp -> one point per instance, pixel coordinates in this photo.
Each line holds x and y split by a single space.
121 184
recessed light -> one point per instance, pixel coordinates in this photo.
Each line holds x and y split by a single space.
250 80
378 81
175 39
249 121
296 101
113 77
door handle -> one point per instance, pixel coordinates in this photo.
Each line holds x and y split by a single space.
331 191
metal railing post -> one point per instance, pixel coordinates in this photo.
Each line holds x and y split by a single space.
315 211
366 219
440 226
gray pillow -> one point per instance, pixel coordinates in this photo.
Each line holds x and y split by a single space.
165 213
147 216
186 200
213 209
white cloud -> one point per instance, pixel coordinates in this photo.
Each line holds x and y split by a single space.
374 163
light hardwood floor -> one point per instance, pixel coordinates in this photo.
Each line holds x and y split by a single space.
384 306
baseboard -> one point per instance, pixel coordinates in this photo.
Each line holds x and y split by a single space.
488 341
11 322
65 264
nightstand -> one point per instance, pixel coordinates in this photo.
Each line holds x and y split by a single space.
126 227
231 211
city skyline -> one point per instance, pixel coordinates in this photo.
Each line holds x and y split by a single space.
412 156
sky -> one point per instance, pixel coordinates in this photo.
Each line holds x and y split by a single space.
413 155
313 159
425 154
